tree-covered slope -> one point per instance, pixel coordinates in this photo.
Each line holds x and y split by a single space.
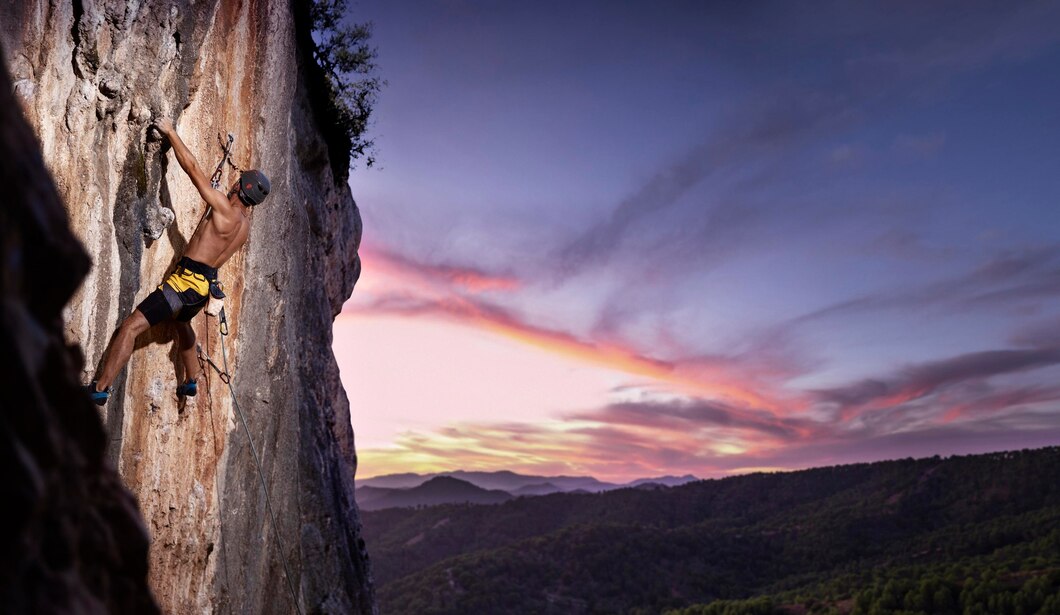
736 538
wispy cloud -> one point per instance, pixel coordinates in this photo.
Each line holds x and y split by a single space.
1041 334
1013 275
994 403
925 379
696 415
791 114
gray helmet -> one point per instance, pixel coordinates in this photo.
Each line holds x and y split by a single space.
253 187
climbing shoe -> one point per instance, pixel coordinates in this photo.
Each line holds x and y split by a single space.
97 397
188 389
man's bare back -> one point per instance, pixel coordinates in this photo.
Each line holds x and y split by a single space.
222 231
215 240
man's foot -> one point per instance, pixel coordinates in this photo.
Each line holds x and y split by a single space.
188 389
97 397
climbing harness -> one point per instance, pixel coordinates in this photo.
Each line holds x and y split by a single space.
226 378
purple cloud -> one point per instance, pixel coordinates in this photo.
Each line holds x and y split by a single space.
925 379
689 415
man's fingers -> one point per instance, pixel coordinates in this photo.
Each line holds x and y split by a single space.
163 124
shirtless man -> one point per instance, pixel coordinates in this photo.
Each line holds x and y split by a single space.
183 294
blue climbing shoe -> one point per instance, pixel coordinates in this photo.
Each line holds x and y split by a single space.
188 389
98 397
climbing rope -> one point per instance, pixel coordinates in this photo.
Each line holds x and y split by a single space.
226 378
217 456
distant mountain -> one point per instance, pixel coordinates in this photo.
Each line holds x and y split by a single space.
367 495
396 481
510 481
537 489
438 490
516 483
666 481
961 534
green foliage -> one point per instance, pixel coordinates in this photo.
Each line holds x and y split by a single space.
754 606
912 536
347 59
910 591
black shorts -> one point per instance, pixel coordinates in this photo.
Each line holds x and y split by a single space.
182 295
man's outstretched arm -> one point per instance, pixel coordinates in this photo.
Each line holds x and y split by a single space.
191 166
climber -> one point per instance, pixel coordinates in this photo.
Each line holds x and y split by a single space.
221 232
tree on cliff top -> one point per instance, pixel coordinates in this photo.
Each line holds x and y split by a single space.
344 54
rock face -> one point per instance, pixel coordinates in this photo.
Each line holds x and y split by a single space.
90 75
72 540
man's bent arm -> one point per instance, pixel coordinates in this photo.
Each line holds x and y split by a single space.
191 166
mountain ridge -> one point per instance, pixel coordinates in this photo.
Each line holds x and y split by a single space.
438 490
509 481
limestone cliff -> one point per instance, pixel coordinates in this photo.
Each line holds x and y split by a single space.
90 75
72 540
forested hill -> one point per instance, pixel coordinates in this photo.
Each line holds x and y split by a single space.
820 536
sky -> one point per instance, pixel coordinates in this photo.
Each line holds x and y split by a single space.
634 239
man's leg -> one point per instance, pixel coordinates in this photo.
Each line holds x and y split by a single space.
188 354
120 348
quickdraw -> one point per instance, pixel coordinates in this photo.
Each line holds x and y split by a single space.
223 323
204 360
226 158
215 179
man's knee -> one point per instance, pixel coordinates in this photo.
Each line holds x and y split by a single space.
135 324
186 333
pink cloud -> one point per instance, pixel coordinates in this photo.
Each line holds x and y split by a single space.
922 380
461 278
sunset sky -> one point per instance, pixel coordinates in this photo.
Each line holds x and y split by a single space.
630 239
